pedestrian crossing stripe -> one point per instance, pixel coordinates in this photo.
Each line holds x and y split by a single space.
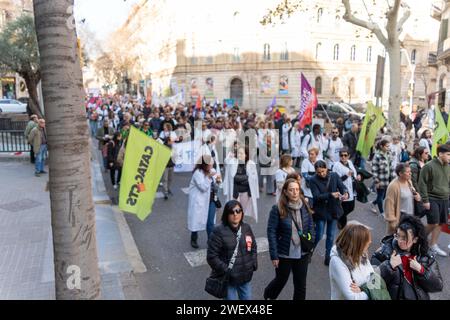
197 258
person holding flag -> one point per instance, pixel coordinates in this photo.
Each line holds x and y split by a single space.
308 102
440 135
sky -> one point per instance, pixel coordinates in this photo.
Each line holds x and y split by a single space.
103 16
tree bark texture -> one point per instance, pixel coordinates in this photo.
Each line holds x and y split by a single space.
73 214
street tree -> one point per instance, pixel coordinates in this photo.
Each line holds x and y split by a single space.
73 215
389 37
19 53
104 66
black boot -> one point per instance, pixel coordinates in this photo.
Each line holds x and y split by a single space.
327 261
194 237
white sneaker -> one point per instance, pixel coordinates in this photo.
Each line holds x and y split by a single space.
439 251
373 208
115 187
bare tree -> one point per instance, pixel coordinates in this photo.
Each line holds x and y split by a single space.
73 215
389 38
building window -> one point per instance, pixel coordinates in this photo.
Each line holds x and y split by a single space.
236 56
335 88
351 88
353 53
369 54
413 56
284 55
193 60
209 60
318 85
266 52
336 52
318 50
368 85
319 14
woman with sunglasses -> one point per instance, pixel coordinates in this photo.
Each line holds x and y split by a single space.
346 170
290 218
222 245
420 157
406 264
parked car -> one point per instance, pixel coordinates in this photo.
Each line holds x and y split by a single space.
335 110
12 106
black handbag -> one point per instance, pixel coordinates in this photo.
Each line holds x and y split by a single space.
218 286
306 242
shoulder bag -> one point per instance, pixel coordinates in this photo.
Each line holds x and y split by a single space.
218 286
306 242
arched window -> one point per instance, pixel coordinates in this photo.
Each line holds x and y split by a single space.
413 56
369 54
336 52
266 51
335 88
353 53
319 14
442 82
318 50
318 85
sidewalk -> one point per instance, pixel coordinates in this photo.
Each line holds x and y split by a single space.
26 247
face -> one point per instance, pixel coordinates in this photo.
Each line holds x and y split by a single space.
42 123
241 155
405 241
312 156
428 134
235 217
425 155
406 175
335 133
293 192
386 147
444 157
344 157
322 172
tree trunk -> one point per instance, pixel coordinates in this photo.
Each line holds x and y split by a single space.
73 215
33 103
394 88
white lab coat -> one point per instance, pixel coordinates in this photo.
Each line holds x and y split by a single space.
307 166
285 132
296 144
231 165
198 206
318 142
333 150
342 170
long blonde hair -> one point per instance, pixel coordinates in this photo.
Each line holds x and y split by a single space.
284 200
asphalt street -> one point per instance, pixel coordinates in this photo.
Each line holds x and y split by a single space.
164 244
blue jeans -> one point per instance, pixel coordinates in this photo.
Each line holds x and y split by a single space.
40 158
211 216
331 233
381 194
93 127
240 292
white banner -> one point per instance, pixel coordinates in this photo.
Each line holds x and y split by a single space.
185 154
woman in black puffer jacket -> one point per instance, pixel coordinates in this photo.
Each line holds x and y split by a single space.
221 246
406 264
284 241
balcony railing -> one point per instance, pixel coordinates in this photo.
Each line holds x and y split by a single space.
432 58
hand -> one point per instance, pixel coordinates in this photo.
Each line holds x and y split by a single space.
417 197
426 206
345 196
377 185
416 266
358 177
354 287
275 263
350 173
111 165
336 195
396 260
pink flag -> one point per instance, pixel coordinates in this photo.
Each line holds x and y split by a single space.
308 102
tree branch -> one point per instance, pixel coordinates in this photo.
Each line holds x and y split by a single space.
405 17
349 17
395 8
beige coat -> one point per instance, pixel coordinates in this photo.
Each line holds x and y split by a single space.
392 205
35 138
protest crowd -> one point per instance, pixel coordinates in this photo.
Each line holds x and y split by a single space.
315 172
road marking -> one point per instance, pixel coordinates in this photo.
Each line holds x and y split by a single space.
197 258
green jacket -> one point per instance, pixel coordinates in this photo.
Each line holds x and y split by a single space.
101 135
35 138
31 124
434 181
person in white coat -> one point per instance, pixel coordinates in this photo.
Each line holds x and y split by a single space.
285 138
282 173
350 267
241 182
308 171
332 148
199 197
314 139
296 144
347 172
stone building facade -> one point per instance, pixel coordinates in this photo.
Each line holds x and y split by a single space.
219 50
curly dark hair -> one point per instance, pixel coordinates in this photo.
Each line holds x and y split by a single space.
409 222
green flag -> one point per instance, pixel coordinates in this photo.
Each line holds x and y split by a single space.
440 134
373 122
144 165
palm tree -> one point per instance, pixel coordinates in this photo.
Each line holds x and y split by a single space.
73 214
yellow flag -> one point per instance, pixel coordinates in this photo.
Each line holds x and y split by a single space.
373 122
440 134
144 165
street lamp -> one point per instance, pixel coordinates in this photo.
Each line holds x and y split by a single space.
412 68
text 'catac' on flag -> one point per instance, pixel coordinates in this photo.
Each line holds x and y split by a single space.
373 122
144 165
308 102
440 134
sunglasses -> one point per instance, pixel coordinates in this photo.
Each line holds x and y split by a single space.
335 132
344 155
236 211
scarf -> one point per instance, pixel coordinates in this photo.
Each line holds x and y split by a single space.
294 209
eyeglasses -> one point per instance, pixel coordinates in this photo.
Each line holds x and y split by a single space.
399 238
344 155
237 211
335 132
